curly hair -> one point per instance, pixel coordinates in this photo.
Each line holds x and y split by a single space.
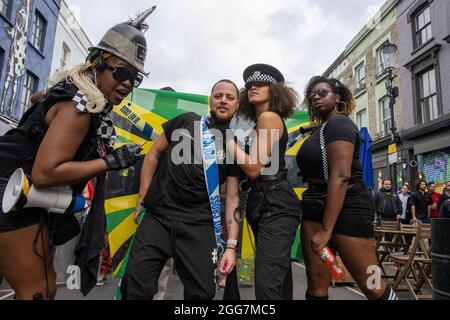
283 101
337 87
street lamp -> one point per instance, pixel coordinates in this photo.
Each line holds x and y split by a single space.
388 54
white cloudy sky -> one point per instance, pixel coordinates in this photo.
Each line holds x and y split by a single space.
193 43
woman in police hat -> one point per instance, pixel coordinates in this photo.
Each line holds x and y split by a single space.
272 209
65 139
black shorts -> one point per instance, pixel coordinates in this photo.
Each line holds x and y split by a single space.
17 220
357 215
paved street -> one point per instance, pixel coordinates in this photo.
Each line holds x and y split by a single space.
174 290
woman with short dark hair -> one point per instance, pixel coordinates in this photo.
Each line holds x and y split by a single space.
337 207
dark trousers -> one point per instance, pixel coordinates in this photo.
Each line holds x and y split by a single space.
157 240
273 213
273 268
231 292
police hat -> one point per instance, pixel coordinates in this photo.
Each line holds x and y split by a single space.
262 73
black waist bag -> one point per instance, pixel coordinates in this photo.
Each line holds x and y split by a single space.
313 203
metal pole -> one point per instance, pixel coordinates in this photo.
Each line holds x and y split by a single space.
392 96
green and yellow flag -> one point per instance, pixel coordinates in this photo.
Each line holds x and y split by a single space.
139 119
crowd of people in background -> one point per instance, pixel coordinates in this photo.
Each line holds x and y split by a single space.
411 207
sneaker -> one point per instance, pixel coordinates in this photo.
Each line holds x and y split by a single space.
101 281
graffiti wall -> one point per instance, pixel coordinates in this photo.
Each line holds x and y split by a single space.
435 166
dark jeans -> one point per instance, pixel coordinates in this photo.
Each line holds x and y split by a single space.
231 292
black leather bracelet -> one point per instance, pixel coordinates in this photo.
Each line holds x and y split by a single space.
106 162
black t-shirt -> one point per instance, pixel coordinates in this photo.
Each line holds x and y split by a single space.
421 201
338 128
178 191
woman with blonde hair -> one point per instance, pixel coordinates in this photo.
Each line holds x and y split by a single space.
65 139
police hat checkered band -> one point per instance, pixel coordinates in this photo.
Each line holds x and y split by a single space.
260 77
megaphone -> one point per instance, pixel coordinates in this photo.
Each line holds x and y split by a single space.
20 194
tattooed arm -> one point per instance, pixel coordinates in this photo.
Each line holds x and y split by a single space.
232 202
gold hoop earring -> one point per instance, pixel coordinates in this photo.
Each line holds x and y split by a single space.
342 111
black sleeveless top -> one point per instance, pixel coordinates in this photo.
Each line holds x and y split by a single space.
282 144
282 147
19 146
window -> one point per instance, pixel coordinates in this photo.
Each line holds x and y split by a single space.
360 76
65 57
422 26
29 88
361 119
380 63
426 88
38 34
4 7
385 117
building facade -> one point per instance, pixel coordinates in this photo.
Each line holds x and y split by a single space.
360 68
71 43
26 50
424 47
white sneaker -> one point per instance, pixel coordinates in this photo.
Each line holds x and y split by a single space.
101 281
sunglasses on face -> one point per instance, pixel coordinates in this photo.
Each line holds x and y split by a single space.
256 84
122 74
323 93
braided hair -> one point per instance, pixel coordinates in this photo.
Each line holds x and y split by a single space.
337 87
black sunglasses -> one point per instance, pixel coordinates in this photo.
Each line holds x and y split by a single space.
122 74
323 93
258 84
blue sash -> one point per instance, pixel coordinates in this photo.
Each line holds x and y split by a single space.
211 170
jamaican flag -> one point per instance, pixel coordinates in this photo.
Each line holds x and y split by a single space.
139 119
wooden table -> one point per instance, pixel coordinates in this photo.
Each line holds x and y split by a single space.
401 234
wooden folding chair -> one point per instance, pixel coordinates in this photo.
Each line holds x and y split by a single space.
415 263
422 262
385 248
